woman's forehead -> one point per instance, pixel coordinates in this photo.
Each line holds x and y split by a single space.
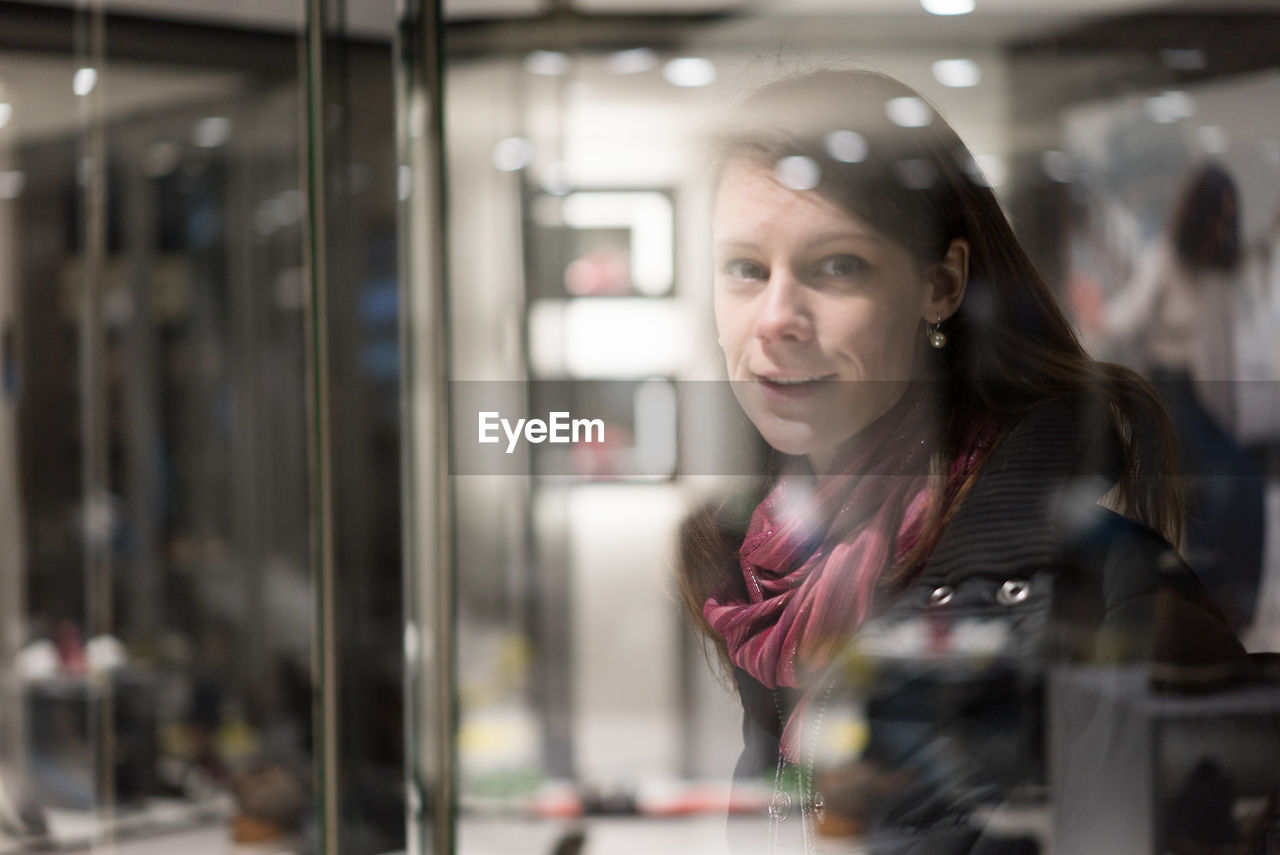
751 204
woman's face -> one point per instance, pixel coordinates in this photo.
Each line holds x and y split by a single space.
820 316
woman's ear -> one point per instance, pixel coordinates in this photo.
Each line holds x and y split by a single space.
948 278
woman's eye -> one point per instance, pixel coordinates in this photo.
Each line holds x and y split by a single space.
741 268
842 265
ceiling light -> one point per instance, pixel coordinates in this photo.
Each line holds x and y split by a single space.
690 71
797 172
548 63
947 7
846 146
512 154
957 73
632 61
211 132
1169 107
908 112
84 81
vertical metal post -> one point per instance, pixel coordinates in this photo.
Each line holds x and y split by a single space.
13 564
143 607
325 671
430 704
97 511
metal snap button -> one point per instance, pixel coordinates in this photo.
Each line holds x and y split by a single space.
780 807
1013 591
819 806
942 595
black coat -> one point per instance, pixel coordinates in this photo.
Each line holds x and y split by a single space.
1039 574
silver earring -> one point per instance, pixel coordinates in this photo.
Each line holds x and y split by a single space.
937 338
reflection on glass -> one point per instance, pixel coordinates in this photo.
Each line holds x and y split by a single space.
158 627
160 638
588 712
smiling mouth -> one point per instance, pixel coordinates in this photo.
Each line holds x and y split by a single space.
793 383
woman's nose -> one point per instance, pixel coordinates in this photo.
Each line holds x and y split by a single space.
784 313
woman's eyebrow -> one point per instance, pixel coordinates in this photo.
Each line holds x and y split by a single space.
746 245
845 234
735 246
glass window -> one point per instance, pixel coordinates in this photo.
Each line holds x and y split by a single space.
584 282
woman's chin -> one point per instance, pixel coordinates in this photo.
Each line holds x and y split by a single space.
798 440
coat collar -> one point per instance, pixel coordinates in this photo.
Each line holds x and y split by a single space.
1038 486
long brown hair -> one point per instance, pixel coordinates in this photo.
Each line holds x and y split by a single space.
1205 227
1010 347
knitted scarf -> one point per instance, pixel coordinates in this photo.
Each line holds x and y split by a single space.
816 549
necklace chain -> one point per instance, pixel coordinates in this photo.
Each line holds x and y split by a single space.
808 760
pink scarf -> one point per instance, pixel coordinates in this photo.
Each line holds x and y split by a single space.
815 551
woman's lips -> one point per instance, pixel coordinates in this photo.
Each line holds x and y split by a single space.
794 386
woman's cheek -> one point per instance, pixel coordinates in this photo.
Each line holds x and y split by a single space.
732 355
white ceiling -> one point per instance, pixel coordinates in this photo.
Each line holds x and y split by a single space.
376 17
983 7
768 33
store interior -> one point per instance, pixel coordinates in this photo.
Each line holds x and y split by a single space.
196 657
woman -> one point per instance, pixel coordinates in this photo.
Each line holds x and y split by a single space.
1180 307
946 445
